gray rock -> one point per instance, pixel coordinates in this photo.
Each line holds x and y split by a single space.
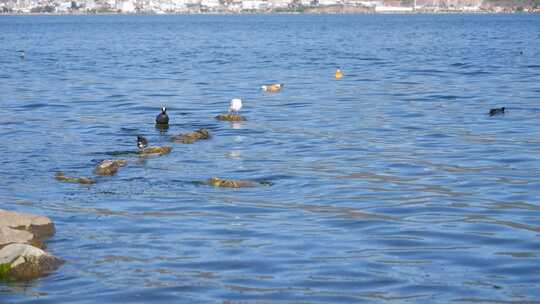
26 262
9 236
40 226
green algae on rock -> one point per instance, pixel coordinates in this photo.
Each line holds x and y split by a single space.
21 244
109 167
4 272
155 151
60 176
21 262
191 137
230 117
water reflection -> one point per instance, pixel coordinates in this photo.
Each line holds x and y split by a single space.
236 125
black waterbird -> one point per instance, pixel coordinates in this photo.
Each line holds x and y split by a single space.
496 111
162 118
141 142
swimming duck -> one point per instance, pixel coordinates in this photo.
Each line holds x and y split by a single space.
339 74
236 105
141 142
276 87
162 118
496 111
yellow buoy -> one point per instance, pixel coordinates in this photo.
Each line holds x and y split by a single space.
339 74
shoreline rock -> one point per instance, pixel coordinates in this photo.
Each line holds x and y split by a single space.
21 243
22 262
39 226
15 236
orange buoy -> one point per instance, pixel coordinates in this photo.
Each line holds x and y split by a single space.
339 74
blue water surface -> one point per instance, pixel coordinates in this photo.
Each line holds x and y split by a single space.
389 185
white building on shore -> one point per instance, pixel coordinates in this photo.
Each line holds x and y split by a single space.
393 9
211 4
127 6
254 5
329 2
279 3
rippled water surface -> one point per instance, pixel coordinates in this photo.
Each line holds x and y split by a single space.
389 185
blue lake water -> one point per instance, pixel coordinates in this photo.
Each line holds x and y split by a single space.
389 185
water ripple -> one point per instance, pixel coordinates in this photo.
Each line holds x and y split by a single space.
392 184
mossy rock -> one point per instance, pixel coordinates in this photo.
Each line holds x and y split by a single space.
60 176
5 270
229 183
22 262
109 167
155 151
192 137
230 117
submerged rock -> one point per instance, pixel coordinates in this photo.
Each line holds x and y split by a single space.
60 176
231 117
109 167
190 138
25 262
228 183
155 151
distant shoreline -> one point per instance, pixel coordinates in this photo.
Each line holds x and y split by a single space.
275 13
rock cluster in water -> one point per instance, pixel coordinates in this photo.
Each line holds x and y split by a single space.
191 137
21 246
110 167
21 235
